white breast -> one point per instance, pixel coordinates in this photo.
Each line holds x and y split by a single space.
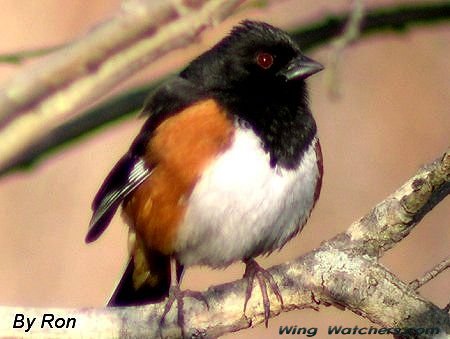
241 207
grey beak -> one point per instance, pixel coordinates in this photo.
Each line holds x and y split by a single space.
300 68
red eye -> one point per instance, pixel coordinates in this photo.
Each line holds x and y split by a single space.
264 60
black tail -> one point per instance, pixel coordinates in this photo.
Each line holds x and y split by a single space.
126 295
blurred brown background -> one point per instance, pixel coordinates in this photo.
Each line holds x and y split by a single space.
392 117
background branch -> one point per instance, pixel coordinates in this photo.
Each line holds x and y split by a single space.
19 57
38 99
395 19
351 33
337 273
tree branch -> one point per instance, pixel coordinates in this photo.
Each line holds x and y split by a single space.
394 218
343 272
393 19
37 100
431 274
396 18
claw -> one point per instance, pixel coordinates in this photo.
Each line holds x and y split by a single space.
175 294
263 277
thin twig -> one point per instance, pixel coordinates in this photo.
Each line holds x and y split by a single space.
351 33
435 271
19 57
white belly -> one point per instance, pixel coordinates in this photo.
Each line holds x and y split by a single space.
241 207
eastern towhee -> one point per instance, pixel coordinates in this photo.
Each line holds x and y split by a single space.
227 167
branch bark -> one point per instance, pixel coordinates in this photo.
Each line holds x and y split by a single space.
38 99
343 271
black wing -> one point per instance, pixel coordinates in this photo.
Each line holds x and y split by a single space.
131 170
126 175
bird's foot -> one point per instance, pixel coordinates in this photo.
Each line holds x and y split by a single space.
252 270
175 294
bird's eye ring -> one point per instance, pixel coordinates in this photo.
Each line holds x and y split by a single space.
264 60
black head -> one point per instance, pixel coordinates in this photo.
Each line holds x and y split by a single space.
255 57
257 72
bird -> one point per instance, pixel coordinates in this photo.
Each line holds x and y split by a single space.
227 167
